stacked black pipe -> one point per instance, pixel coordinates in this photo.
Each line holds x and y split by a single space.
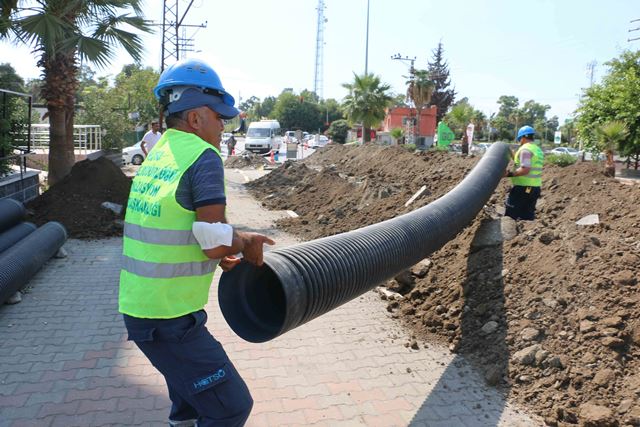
23 248
301 282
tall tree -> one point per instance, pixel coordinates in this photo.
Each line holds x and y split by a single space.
568 130
61 32
507 118
616 98
419 90
13 114
134 89
367 102
462 113
293 112
443 95
611 136
460 116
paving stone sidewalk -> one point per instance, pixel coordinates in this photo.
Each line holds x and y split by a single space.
65 361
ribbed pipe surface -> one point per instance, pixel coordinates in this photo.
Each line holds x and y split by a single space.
301 282
22 261
16 233
11 213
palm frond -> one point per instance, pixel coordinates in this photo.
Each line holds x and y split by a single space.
42 30
90 49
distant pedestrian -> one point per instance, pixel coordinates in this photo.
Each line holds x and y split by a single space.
526 177
150 138
464 143
231 145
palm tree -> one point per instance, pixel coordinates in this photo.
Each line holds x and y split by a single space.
610 136
397 134
63 32
367 102
419 91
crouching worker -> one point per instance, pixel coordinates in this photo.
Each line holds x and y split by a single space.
174 237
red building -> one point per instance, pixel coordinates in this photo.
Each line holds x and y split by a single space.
399 116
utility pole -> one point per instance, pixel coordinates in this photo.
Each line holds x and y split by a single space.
366 51
409 124
634 29
591 68
318 81
172 44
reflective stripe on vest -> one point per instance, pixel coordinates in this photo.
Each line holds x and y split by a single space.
161 237
534 177
164 272
167 271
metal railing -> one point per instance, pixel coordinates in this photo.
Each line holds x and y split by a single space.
86 138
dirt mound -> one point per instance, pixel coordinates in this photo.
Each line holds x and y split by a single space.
246 160
341 188
76 200
552 315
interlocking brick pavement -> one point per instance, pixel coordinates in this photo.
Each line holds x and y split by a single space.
65 361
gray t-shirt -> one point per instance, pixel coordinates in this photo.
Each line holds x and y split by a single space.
203 183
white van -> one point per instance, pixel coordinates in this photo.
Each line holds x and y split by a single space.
263 136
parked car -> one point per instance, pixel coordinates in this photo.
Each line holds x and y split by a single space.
566 150
318 141
290 137
133 154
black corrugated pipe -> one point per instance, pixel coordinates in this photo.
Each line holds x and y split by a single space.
11 213
301 282
15 234
22 261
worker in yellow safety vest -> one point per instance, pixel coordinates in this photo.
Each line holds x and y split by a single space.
526 177
175 236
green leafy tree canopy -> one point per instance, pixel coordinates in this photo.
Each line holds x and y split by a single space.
616 98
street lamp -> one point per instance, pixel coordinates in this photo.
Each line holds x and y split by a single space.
366 52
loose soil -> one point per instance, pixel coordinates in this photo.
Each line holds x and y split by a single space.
76 200
552 315
246 160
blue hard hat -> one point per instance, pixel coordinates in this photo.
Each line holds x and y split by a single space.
190 73
525 131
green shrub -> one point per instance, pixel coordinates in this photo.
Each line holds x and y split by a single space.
409 147
560 159
338 131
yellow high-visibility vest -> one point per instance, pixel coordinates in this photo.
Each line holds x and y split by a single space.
164 274
534 177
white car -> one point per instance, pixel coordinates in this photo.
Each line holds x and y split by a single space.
566 150
318 141
133 154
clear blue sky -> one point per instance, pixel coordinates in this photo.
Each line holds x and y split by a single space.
537 49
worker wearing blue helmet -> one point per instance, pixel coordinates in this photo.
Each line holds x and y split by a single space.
175 236
526 177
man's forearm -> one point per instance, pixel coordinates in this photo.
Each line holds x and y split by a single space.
237 245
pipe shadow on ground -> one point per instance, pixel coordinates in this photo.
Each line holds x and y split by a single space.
452 400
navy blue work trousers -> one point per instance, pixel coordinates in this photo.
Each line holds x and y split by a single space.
521 202
203 383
